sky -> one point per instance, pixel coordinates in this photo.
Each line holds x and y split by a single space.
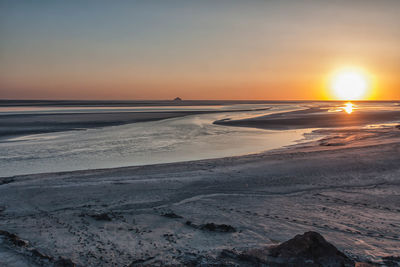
272 50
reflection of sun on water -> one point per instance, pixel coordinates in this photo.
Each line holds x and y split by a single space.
348 108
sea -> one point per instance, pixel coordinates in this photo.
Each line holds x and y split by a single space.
187 138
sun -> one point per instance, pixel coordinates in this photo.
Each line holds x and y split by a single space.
350 84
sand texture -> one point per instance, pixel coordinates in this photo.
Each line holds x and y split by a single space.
345 187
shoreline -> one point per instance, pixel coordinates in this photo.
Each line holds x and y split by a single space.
15 125
314 118
347 192
117 103
335 139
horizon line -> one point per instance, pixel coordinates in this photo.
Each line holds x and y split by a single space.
214 100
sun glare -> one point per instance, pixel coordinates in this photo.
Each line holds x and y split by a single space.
350 84
348 108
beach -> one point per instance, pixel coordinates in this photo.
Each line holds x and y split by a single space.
200 133
315 117
59 138
69 117
344 186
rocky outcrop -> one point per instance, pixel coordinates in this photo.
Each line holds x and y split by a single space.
14 239
212 227
101 217
171 215
309 249
33 254
61 262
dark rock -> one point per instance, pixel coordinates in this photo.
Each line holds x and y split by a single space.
324 143
101 217
61 262
20 243
212 227
177 99
140 262
171 215
40 255
14 239
398 127
6 180
24 245
309 249
391 261
225 228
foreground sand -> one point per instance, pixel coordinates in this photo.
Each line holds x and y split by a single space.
346 187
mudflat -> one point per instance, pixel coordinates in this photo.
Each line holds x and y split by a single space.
180 213
315 118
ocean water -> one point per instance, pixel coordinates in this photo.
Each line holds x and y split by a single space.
186 138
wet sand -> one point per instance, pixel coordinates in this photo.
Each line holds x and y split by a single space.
350 193
12 125
315 118
26 124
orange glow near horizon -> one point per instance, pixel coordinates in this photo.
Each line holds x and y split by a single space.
136 50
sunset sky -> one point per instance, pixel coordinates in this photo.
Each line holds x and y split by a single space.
195 49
